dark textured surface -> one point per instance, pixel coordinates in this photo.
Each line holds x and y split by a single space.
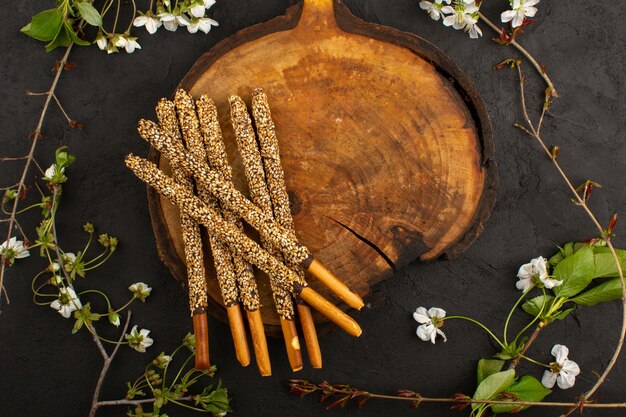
45 371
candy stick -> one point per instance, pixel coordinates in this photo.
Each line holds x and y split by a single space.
236 240
193 250
275 177
255 174
233 200
224 267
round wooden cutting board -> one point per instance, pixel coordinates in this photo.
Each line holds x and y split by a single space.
386 145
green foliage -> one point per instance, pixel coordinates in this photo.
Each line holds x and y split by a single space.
493 385
89 13
576 272
487 367
610 290
527 388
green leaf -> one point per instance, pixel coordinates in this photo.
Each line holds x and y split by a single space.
62 39
488 367
74 36
89 13
44 26
562 314
610 290
527 388
575 271
493 385
605 266
533 306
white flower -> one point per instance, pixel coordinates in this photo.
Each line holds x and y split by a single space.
474 30
111 48
101 41
13 249
67 302
433 9
131 44
150 22
430 323
56 280
563 371
141 290
68 260
535 272
170 21
209 3
139 340
520 10
114 318
197 9
52 171
460 15
204 25
119 41
167 3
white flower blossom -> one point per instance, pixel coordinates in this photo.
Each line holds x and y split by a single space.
167 3
139 340
141 290
473 30
149 21
52 171
460 15
131 44
13 249
203 24
197 9
114 318
533 273
209 3
67 302
563 371
520 10
101 41
431 321
433 9
169 20
56 280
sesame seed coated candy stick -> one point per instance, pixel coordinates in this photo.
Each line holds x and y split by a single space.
224 269
255 174
218 161
241 244
232 199
270 152
194 258
249 294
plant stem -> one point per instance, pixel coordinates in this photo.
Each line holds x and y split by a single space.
476 322
529 342
135 402
29 159
508 319
527 54
535 133
105 366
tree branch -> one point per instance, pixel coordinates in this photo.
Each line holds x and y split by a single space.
35 139
95 404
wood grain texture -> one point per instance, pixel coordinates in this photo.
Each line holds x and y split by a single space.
386 145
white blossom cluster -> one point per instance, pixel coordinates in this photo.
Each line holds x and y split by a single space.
190 14
464 14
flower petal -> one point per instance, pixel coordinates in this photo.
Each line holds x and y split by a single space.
425 331
548 379
560 352
437 312
565 380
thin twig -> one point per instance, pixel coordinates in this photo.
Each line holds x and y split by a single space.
527 54
29 158
135 402
105 366
582 203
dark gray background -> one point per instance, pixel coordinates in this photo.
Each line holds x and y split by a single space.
45 371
